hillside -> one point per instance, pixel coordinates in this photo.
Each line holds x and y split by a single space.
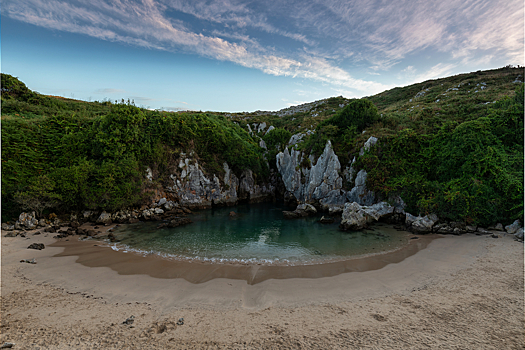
453 146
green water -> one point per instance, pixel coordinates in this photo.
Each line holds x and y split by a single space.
258 234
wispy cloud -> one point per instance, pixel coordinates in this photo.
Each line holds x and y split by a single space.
329 37
144 24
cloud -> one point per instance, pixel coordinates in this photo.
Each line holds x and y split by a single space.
318 40
144 24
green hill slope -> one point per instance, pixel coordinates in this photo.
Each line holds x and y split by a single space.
453 146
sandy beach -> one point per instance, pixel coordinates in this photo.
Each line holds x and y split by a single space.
452 292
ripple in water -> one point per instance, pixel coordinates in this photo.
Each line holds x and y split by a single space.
258 234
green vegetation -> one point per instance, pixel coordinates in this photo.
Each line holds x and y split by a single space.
452 146
62 160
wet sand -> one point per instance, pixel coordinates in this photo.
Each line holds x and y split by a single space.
459 292
91 254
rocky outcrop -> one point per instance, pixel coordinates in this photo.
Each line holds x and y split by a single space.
356 217
359 193
321 183
26 221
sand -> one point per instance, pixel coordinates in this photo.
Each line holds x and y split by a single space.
455 292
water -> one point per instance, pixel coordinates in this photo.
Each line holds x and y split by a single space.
258 234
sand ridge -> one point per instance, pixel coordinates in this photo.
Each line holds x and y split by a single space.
459 292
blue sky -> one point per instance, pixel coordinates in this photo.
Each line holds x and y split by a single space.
235 56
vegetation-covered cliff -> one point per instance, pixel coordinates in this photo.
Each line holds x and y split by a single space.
452 146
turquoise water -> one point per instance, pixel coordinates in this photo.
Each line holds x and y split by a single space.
258 234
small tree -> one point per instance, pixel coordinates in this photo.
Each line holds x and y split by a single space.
38 196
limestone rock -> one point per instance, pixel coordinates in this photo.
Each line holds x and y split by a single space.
369 143
321 182
519 234
104 218
513 228
356 217
424 224
359 193
26 221
7 227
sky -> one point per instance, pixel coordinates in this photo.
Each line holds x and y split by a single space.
235 56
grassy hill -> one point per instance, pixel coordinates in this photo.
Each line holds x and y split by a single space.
453 146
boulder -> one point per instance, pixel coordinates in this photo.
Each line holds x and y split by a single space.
513 228
104 218
7 227
443 229
179 221
470 228
423 224
356 217
519 234
308 208
27 221
37 246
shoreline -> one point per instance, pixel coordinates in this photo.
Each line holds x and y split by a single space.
448 295
130 263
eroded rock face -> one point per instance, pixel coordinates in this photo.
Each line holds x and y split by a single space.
357 217
320 183
359 193
195 189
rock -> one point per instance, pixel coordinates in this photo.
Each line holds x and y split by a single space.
7 227
369 143
27 221
11 234
319 182
423 224
32 261
42 223
270 129
111 237
233 214
359 193
161 202
443 229
7 345
328 220
294 214
513 228
409 219
104 218
335 210
179 221
158 211
484 231
129 320
357 217
296 138
499 227
50 229
519 234
180 322
470 228
308 208
37 246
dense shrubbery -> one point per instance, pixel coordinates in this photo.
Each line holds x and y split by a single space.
462 159
471 170
71 162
